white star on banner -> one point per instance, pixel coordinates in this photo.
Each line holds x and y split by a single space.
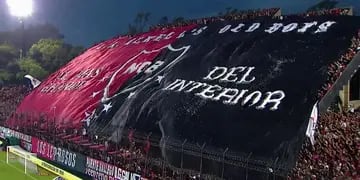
131 95
159 78
88 117
87 120
107 107
95 93
113 45
93 112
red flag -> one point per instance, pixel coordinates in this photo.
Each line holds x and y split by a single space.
77 88
147 146
131 135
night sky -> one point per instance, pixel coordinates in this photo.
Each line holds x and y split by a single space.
84 22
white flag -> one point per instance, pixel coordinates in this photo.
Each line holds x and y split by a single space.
310 131
34 82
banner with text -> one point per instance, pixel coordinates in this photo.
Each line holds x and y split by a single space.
6 132
246 85
104 171
62 156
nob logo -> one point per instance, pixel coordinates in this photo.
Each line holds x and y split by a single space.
152 71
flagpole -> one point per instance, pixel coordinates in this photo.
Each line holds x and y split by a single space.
54 124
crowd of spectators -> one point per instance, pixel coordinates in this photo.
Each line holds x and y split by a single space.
335 69
238 15
10 97
332 12
336 152
325 12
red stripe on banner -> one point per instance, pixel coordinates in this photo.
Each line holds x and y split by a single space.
73 92
42 149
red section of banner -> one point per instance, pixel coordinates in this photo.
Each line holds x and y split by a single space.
72 93
42 149
34 142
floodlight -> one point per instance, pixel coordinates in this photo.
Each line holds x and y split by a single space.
20 8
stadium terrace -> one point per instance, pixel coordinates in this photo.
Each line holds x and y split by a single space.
226 97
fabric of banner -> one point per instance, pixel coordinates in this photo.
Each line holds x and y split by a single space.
248 86
73 92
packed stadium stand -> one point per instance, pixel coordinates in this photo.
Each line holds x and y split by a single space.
221 106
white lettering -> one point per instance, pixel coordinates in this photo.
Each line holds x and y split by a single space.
195 86
256 99
154 67
306 27
324 26
160 37
269 99
242 93
253 27
136 67
237 28
196 32
208 92
224 29
274 28
178 83
148 39
216 68
231 74
169 36
181 35
228 93
131 41
138 41
89 73
243 79
290 27
62 76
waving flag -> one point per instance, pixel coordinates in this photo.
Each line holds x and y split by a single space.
34 82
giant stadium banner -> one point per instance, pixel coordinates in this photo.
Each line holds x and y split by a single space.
72 160
71 94
244 85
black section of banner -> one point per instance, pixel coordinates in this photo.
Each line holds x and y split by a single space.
182 98
71 160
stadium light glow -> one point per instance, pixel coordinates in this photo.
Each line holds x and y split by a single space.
20 8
